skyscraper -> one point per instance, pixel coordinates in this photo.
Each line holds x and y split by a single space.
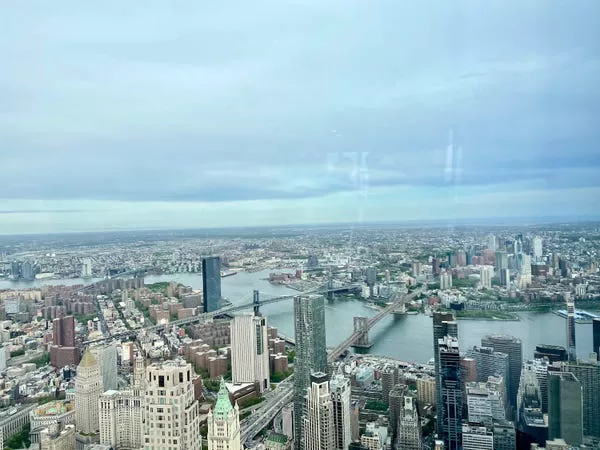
530 418
170 405
409 426
571 345
224 423
211 283
121 419
444 324
505 436
565 407
106 355
486 277
596 337
396 403
588 374
311 352
513 348
451 404
484 405
249 351
317 422
63 351
536 248
88 388
490 363
501 261
340 397
554 353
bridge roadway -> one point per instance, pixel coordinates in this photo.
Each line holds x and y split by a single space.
283 393
205 316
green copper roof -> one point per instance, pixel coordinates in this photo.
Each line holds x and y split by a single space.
223 406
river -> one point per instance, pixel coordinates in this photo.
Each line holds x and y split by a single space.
408 338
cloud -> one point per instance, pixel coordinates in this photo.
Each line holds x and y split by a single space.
295 100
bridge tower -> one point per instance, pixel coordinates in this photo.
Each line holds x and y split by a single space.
400 310
256 301
330 284
361 326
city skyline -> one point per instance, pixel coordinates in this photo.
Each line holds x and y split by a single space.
398 117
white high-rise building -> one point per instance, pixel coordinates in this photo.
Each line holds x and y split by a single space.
409 426
477 438
340 395
525 272
486 277
491 242
250 351
4 355
88 388
121 419
224 423
446 281
484 404
86 268
317 422
536 248
172 414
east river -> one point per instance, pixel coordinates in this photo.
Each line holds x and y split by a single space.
407 338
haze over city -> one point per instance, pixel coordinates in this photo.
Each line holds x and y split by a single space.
268 113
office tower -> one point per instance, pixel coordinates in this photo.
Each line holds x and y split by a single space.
532 428
435 266
317 423
486 277
477 438
224 423
106 355
513 348
211 283
450 406
505 278
524 271
596 337
468 369
490 363
446 281
416 269
571 346
588 374
86 268
396 404
565 407
121 419
540 367
491 242
27 272
340 397
501 261
554 353
170 405
409 426
88 388
389 379
536 248
444 324
505 436
250 351
484 404
311 352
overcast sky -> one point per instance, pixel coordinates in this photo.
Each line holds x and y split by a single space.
154 114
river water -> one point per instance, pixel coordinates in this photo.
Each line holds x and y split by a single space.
408 338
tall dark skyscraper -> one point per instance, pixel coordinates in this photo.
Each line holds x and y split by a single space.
588 374
565 407
450 408
311 351
444 324
554 353
211 283
513 348
596 336
571 345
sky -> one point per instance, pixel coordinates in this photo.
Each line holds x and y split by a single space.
157 115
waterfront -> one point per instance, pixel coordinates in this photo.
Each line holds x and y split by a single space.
407 338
